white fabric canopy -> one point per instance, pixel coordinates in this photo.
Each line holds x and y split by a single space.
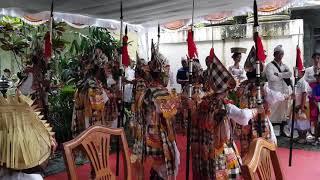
138 14
145 12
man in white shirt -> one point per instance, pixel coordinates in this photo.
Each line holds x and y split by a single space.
278 76
128 89
310 71
129 76
171 80
309 76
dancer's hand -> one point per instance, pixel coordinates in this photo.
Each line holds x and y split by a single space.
240 92
192 105
54 144
303 109
261 109
291 96
119 94
266 106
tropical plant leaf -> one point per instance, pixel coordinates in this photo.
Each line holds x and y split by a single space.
5 47
3 41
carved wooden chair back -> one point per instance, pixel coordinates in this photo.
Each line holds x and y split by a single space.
261 162
95 141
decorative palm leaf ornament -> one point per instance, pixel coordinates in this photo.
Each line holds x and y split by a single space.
25 138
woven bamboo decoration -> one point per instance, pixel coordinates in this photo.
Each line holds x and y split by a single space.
25 139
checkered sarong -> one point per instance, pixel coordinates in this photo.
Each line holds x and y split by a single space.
155 152
247 133
219 77
264 127
159 128
251 58
234 174
208 162
169 153
202 145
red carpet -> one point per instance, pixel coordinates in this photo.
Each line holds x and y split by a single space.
305 165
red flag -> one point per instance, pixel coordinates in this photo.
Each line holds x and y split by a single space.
47 47
299 62
192 49
125 54
211 55
261 56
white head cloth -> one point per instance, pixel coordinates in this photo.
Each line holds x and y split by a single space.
278 49
183 58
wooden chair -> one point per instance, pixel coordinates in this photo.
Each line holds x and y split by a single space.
96 143
261 162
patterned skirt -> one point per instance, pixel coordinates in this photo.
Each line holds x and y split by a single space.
221 164
163 152
209 163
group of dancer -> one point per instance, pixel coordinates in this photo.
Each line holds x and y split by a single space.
223 108
216 120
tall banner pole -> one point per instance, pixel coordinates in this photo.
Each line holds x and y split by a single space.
158 36
211 34
258 74
189 110
294 104
51 22
48 54
120 99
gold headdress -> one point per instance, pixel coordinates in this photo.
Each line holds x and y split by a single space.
158 62
25 139
140 62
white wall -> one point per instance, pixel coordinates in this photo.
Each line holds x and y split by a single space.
174 45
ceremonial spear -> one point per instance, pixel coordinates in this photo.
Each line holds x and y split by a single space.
190 97
211 54
48 54
211 35
299 67
120 99
48 36
158 37
259 57
51 21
